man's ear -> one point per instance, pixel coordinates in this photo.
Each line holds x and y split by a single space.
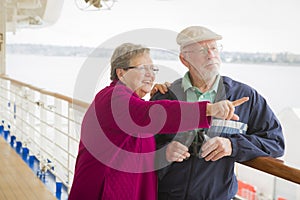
184 61
120 73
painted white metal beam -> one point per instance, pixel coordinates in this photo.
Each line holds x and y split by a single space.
2 37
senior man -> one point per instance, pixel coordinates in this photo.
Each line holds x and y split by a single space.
201 165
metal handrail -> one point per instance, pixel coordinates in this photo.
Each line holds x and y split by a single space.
46 92
275 167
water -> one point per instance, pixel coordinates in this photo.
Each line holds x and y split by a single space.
280 85
51 73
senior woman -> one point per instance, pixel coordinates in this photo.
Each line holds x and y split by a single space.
116 150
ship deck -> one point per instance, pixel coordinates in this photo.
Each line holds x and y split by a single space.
17 180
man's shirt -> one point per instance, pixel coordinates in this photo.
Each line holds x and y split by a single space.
193 94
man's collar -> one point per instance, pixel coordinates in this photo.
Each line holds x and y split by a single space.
187 84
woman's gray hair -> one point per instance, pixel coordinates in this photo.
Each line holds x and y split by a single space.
122 55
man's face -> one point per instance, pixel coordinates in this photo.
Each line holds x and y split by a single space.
203 59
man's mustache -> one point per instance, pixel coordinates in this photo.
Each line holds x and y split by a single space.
212 62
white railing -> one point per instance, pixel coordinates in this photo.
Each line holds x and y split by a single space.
46 123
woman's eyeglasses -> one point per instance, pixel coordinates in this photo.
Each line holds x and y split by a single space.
144 68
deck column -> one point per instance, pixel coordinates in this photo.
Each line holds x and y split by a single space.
2 36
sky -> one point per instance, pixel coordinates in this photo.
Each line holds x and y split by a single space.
246 25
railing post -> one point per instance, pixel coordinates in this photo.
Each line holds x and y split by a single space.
70 128
31 129
43 127
15 104
57 108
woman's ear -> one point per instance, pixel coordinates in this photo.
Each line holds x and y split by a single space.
119 73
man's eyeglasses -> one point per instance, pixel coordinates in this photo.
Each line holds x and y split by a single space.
204 50
144 68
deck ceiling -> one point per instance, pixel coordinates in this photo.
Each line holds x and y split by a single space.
31 13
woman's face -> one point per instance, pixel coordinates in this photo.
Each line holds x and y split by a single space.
140 76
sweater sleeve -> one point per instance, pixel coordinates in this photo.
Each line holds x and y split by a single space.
164 116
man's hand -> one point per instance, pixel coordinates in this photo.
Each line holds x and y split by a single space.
176 152
225 109
162 88
216 148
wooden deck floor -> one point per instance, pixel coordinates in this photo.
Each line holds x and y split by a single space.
17 180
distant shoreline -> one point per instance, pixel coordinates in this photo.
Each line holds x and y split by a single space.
283 58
